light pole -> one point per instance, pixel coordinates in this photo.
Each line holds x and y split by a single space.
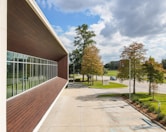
129 78
73 71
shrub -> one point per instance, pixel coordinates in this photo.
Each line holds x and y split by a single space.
141 104
151 109
146 105
160 116
164 120
135 99
151 100
140 101
137 102
77 80
157 111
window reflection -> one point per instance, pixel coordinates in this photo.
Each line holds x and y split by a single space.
24 72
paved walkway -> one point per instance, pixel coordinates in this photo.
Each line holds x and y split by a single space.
78 110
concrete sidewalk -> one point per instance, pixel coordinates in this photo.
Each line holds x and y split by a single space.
78 110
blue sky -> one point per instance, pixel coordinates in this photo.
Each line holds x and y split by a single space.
116 23
66 20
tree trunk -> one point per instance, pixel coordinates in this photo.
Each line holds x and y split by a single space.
134 79
150 92
92 80
153 95
88 78
134 85
83 77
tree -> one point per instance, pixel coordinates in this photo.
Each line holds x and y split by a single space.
91 62
154 72
164 63
82 40
75 61
135 53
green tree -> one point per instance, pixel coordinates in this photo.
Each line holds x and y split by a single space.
91 62
164 63
82 39
75 61
154 72
135 53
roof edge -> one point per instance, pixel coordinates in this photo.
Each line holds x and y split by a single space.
39 13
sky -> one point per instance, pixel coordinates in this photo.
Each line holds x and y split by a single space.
116 23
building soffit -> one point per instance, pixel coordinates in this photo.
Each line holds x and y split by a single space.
29 32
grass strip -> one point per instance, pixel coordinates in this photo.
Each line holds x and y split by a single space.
110 85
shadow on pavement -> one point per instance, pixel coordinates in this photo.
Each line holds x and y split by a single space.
95 97
76 85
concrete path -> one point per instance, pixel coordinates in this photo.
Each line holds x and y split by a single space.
79 110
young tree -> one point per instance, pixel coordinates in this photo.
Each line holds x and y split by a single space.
91 62
82 40
164 63
154 72
135 53
75 61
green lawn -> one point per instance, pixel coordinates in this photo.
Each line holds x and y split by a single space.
98 84
115 72
112 73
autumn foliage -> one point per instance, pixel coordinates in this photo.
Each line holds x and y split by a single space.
91 61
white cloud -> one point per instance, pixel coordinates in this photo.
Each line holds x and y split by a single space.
139 18
71 5
103 10
67 38
121 23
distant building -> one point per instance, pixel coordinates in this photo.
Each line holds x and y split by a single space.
34 65
113 65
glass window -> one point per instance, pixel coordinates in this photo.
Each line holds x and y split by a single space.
9 79
10 56
24 72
